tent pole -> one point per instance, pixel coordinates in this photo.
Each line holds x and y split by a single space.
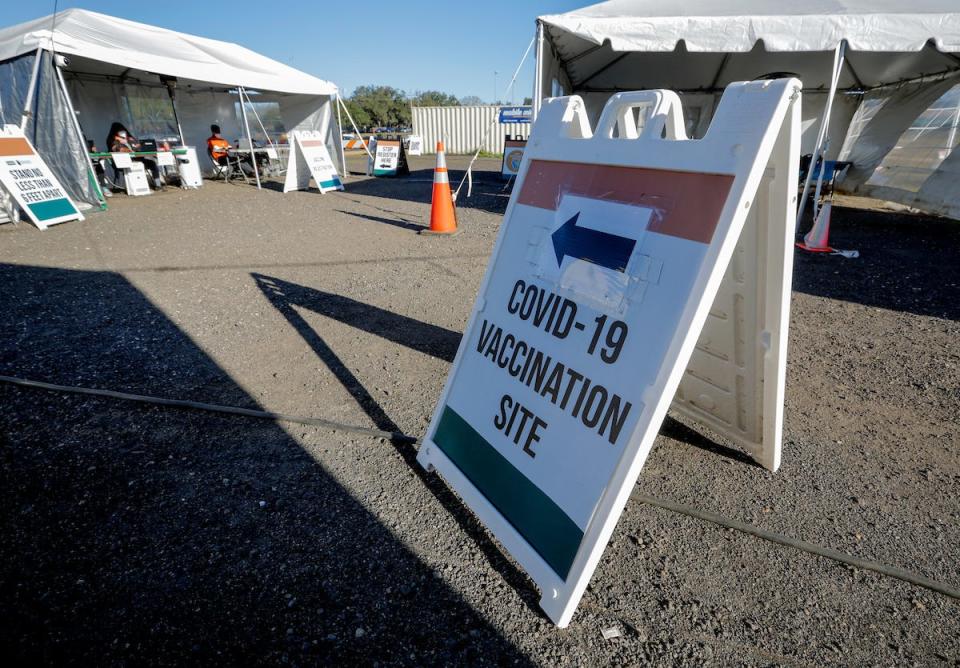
253 156
953 128
343 158
33 84
819 149
83 144
538 72
176 116
354 124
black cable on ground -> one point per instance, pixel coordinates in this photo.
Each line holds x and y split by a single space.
802 545
213 408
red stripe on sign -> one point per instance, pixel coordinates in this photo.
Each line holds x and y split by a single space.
14 146
690 202
312 142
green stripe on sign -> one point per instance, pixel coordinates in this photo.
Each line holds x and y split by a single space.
532 513
332 183
384 172
53 208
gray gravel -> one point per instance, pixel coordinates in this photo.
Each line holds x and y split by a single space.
135 535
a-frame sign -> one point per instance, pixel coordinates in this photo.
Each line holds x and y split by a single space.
309 157
635 269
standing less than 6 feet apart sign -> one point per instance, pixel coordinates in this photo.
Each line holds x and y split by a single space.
30 183
634 268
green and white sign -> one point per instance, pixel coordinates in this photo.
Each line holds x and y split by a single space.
30 183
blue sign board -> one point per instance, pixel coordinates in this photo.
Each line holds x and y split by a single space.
516 114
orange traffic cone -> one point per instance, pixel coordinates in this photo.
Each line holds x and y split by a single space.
443 219
817 240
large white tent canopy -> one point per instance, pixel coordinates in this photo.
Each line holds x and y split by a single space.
130 72
137 46
905 54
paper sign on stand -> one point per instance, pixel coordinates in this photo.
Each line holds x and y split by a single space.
634 269
30 183
512 157
415 145
309 157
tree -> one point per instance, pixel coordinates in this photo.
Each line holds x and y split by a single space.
470 101
527 101
360 116
385 106
434 98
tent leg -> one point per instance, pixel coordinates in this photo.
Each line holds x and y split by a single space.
356 129
820 150
253 156
176 115
538 73
83 144
28 102
343 157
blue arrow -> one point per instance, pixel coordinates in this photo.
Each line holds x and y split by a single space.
602 248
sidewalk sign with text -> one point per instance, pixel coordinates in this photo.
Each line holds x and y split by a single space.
30 183
390 159
634 269
309 157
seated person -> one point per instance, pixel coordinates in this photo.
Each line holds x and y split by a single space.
119 140
217 147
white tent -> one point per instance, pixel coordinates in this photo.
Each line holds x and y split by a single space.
151 79
883 61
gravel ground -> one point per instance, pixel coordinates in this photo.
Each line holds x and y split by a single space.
139 535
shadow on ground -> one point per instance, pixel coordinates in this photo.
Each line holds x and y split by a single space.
142 535
907 263
489 192
420 336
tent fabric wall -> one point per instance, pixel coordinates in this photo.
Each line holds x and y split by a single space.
888 113
49 127
316 113
99 102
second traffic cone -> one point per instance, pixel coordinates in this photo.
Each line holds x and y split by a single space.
817 240
443 219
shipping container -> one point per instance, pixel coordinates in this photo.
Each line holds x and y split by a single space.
464 129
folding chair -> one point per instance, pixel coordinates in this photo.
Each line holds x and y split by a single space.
229 170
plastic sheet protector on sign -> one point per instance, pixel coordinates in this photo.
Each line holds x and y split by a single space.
613 247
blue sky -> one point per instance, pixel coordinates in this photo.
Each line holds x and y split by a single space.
413 45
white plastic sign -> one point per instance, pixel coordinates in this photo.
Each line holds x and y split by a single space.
31 184
165 159
122 160
613 248
309 157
